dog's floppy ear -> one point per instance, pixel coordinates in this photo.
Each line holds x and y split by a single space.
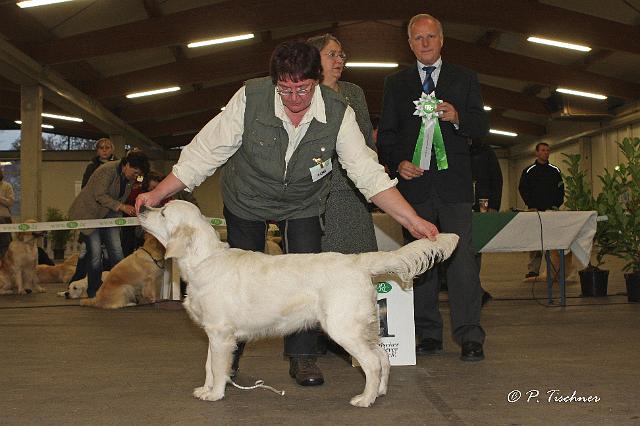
180 239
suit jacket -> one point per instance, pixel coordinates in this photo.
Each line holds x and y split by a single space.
398 131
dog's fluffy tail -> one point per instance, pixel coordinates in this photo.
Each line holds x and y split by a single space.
410 260
88 302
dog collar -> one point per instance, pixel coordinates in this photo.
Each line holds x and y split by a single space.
159 262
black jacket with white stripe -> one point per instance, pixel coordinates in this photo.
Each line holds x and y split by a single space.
541 186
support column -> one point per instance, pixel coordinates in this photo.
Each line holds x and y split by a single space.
118 145
30 151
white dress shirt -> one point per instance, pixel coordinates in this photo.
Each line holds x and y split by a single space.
434 74
221 137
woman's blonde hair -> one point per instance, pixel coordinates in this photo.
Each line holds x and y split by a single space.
102 142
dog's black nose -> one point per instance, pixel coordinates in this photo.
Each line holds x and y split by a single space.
66 295
142 209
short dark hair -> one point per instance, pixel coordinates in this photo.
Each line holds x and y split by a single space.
137 159
296 61
539 144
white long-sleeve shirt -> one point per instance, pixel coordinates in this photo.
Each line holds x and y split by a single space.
221 137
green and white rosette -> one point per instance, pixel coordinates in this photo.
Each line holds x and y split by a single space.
430 136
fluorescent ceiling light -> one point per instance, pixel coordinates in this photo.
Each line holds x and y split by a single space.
559 44
5 163
371 65
62 117
220 40
153 92
579 93
34 3
503 133
487 108
44 126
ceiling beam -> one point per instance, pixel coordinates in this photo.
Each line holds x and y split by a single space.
369 41
66 128
524 17
191 122
508 99
22 70
198 100
513 125
16 24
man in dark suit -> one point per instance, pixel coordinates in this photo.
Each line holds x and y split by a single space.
440 194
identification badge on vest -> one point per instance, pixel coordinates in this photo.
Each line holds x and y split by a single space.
321 169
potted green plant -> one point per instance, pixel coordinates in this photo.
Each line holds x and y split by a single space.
620 201
578 196
58 238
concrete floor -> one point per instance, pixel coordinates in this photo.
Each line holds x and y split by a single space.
62 364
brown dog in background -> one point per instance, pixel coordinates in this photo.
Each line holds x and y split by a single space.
60 273
18 268
134 278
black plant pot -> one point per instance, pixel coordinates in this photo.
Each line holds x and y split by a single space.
633 286
594 281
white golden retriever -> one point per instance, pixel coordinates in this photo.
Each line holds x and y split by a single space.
242 295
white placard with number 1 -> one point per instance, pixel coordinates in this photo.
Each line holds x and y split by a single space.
397 328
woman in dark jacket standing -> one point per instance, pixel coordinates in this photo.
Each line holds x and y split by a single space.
104 149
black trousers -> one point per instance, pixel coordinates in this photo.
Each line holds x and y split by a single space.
298 236
463 278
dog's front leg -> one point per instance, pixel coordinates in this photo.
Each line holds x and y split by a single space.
19 283
218 361
35 283
208 378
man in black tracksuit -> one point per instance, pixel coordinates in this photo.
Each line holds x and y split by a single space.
541 188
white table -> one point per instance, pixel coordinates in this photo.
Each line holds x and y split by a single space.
518 232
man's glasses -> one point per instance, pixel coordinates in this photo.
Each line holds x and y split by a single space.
304 91
335 55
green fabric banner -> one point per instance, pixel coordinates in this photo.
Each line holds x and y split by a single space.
487 225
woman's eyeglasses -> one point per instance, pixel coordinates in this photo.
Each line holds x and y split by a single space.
335 55
288 92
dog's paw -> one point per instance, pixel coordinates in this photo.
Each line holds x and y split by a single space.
207 394
41 289
362 401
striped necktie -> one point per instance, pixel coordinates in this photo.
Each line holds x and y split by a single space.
428 85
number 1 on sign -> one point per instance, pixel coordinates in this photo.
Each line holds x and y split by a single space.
382 315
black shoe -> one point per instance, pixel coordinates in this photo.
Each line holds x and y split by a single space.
429 346
472 351
486 297
305 371
235 365
531 274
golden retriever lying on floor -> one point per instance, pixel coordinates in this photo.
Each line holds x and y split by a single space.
133 279
242 295
18 268
60 273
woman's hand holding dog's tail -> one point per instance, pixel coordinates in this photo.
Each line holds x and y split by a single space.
393 203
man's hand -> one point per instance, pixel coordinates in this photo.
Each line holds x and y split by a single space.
421 228
447 112
407 170
127 209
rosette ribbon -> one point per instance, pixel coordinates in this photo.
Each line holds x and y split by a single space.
430 135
